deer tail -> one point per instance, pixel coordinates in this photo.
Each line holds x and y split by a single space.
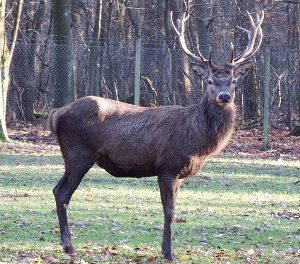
52 120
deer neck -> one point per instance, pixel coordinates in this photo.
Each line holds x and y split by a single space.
217 124
218 117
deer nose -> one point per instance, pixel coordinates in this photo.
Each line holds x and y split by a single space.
224 97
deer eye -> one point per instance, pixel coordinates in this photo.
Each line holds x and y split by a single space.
234 81
209 82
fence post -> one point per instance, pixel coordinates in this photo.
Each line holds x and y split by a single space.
137 70
267 55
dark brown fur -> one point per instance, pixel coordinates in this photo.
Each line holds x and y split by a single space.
170 142
131 141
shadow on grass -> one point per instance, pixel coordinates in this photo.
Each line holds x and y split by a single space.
20 170
129 237
8 159
110 211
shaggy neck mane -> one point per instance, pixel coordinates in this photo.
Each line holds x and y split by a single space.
217 122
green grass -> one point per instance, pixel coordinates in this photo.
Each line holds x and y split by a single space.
234 211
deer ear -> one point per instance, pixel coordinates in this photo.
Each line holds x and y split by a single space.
242 69
200 70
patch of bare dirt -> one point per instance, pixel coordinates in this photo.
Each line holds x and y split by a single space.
30 139
281 145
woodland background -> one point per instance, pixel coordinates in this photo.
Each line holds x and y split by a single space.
243 207
53 52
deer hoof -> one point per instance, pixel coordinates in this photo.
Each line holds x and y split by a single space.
169 257
69 250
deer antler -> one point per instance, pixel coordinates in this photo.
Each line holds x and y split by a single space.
254 33
254 39
180 33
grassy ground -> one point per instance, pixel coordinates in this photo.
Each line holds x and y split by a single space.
233 211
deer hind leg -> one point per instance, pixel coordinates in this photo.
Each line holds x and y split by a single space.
75 169
168 191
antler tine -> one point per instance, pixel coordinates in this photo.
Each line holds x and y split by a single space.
232 53
185 16
254 34
210 56
256 28
180 33
172 23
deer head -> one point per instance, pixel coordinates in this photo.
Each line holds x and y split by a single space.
221 80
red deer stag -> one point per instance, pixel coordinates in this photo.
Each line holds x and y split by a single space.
170 142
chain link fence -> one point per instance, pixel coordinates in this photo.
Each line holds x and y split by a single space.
38 82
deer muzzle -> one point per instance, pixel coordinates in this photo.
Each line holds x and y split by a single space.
224 98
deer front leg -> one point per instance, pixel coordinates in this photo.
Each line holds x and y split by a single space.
62 198
168 192
63 191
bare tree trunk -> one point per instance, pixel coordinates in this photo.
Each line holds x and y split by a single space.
175 80
201 34
24 64
76 36
289 116
249 86
297 7
136 18
202 27
102 50
266 119
92 88
293 62
6 53
110 78
63 54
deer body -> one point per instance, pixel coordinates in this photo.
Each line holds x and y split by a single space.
169 142
133 141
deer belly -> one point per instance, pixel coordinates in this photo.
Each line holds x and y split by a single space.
135 171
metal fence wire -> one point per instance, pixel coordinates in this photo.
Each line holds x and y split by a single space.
38 82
